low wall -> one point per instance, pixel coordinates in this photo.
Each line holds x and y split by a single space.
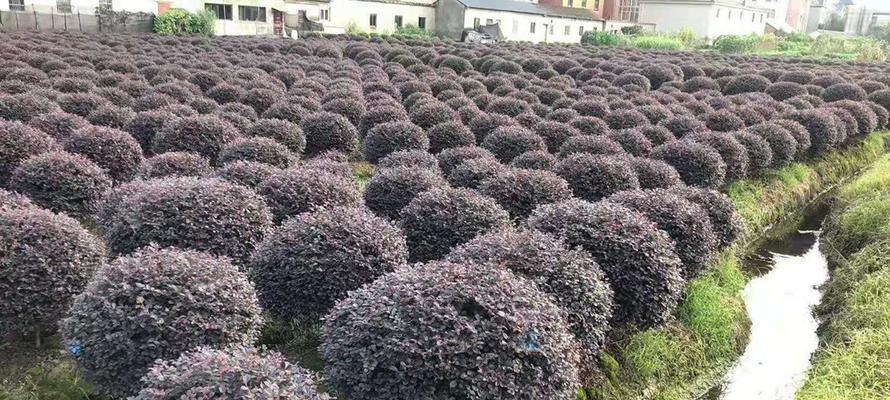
76 22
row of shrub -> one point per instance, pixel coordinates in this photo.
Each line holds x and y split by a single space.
544 194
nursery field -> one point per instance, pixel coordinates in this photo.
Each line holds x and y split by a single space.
428 219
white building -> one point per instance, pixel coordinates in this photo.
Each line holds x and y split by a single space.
518 21
380 16
707 18
862 20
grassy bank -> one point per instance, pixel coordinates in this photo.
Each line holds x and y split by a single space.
687 356
854 359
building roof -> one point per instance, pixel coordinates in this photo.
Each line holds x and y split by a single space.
531 8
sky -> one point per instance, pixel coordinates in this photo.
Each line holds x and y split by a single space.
881 4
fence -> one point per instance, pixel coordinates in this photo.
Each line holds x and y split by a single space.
76 21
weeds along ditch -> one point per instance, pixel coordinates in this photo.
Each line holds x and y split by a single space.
400 218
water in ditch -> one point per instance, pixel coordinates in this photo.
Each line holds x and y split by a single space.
779 299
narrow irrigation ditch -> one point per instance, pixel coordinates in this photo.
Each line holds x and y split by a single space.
786 269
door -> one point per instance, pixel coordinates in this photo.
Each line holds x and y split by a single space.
277 22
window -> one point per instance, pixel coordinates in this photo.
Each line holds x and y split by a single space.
373 21
551 29
584 3
753 16
250 13
741 15
476 23
568 30
570 3
489 21
421 22
580 31
532 28
17 5
761 17
515 26
730 15
63 6
222 11
596 4
324 15
718 12
398 21
105 4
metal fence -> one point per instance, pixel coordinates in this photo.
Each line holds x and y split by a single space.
47 20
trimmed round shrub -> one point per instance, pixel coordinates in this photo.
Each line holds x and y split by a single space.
507 142
115 151
432 113
844 91
25 106
733 154
520 191
759 153
298 190
866 119
352 109
449 135
154 305
391 189
312 261
591 126
287 133
725 221
746 84
821 127
698 164
439 219
625 119
202 134
535 160
507 106
632 141
658 135
699 83
476 318
782 144
554 133
46 260
485 123
688 225
781 91
575 281
259 149
845 123
637 257
655 174
881 114
209 370
723 121
62 182
14 200
174 164
683 125
18 142
245 173
144 126
451 158
111 116
202 214
328 131
882 97
59 125
586 144
471 173
82 104
593 177
410 158
386 138
799 132
380 114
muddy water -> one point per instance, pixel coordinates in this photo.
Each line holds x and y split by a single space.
779 300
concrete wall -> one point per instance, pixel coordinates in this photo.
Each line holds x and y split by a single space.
235 26
517 26
705 19
86 6
450 16
344 12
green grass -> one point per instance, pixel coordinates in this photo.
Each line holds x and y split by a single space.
854 361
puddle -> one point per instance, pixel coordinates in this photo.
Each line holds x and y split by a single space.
788 271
